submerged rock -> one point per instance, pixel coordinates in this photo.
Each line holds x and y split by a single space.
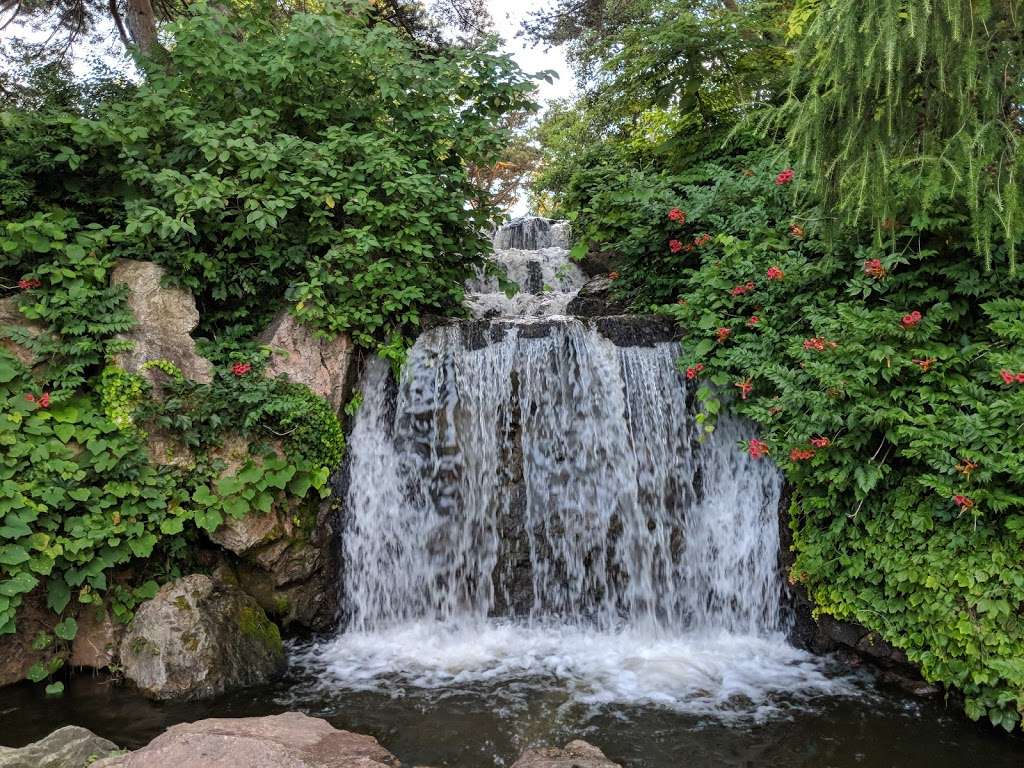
68 747
291 740
575 754
164 319
323 365
198 638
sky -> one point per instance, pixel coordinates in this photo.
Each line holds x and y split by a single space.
507 15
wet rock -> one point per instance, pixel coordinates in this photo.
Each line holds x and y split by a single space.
17 654
575 754
95 644
68 747
198 638
323 365
531 233
636 330
595 299
291 740
11 317
164 319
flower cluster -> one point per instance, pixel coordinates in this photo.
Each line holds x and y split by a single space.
614 276
1009 377
694 372
774 273
757 449
785 177
797 231
911 319
240 369
745 387
28 285
820 442
753 321
743 289
675 246
819 344
801 454
963 502
925 364
43 401
677 215
702 239
723 334
873 268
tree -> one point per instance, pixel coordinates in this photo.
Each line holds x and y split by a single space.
898 105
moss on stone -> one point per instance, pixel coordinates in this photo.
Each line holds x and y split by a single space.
254 623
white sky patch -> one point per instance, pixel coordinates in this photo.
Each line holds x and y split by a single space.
508 16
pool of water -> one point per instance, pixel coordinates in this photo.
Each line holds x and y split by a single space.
482 719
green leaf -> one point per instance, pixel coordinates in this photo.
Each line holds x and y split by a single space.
55 689
58 594
66 629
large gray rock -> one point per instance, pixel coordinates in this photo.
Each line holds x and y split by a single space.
198 638
164 319
575 754
68 747
291 740
323 365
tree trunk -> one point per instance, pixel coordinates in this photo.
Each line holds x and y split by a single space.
141 23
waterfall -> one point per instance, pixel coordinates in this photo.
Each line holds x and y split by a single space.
534 500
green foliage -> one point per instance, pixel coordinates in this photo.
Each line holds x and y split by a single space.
898 107
319 161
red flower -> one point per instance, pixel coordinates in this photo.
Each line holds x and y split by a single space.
240 369
774 273
925 364
797 231
745 288
911 320
695 371
801 454
30 397
785 177
873 268
1008 377
1020 378
817 344
757 449
820 442
688 248
963 502
44 400
613 275
745 387
27 285
754 320
675 246
677 215
702 239
723 334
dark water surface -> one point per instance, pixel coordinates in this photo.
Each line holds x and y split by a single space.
483 727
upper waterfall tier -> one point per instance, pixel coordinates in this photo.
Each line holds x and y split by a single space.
534 254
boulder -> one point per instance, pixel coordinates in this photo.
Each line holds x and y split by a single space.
198 638
68 747
323 365
164 319
575 754
595 299
95 643
10 315
291 740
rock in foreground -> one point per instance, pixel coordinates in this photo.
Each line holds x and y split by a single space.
198 638
575 754
291 740
69 747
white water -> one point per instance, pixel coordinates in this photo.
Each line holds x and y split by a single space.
540 508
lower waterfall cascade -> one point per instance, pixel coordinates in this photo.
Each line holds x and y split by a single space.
536 500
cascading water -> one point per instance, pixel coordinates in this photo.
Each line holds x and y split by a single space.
534 501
